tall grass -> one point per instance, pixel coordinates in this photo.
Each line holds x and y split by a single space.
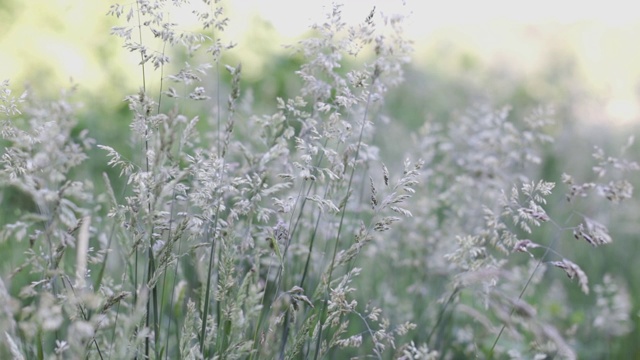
239 235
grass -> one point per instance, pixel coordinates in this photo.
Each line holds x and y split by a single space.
220 232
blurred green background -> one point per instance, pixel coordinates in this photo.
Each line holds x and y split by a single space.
549 52
584 62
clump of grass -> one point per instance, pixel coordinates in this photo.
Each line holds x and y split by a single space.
283 235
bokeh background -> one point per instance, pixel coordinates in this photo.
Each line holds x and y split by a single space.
580 58
535 51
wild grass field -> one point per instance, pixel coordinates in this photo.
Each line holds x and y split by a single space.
344 205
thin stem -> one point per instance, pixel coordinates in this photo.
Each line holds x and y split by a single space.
547 251
343 212
205 310
144 89
442 311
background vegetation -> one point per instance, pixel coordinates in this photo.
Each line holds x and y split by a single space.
340 202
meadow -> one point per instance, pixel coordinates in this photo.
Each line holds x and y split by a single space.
344 204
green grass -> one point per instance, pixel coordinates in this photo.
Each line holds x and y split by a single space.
330 210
